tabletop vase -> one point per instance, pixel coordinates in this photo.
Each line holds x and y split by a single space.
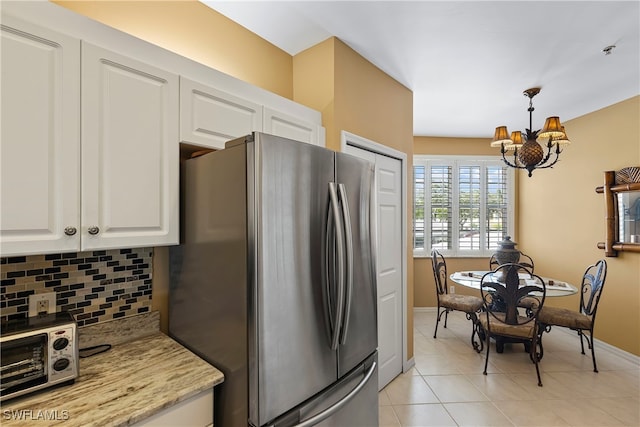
507 252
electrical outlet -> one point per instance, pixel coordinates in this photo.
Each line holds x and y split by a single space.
452 289
42 304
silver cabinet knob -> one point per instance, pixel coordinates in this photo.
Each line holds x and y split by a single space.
70 231
93 230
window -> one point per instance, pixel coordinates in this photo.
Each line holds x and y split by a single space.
462 205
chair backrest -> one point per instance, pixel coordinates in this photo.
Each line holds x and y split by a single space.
591 288
439 272
525 260
503 289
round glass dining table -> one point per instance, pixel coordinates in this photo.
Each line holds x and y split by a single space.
471 279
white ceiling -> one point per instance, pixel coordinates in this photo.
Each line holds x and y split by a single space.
468 62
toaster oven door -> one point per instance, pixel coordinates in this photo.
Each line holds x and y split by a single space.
24 363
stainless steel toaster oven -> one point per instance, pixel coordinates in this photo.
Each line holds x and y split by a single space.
37 352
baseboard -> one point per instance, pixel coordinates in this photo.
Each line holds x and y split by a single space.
408 364
608 347
600 344
424 309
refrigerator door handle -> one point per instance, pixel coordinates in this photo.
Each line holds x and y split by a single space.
338 405
340 260
346 217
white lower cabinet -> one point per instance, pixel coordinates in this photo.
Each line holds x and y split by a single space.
130 154
194 412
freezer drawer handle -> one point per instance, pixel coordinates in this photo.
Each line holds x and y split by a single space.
349 253
338 405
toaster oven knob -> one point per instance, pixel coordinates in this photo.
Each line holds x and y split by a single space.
61 364
60 343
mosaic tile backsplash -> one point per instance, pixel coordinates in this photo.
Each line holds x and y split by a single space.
94 286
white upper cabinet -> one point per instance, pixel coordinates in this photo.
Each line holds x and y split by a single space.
122 191
40 145
129 152
209 117
92 120
285 125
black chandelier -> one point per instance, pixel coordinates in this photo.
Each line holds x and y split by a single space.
530 155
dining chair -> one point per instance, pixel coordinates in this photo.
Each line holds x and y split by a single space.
526 261
584 319
447 302
502 291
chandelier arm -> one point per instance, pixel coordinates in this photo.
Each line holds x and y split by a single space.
546 158
515 159
549 147
550 164
511 164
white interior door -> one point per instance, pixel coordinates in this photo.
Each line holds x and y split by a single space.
389 261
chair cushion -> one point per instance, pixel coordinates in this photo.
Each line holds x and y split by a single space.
529 302
466 303
498 327
564 317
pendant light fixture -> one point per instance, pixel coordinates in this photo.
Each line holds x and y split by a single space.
529 154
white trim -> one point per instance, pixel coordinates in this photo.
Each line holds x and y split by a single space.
408 365
451 157
455 163
347 138
424 309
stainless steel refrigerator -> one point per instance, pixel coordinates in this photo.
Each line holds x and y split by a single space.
274 282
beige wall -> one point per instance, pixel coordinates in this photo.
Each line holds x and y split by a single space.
355 96
314 84
563 218
560 217
195 31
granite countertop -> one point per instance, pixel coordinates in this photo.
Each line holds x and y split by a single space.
132 381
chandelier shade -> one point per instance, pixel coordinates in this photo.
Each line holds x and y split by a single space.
552 127
562 139
516 140
530 154
500 137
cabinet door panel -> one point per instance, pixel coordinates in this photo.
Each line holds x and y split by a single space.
40 139
281 124
129 151
210 117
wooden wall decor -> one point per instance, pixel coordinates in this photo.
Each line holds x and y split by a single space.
616 182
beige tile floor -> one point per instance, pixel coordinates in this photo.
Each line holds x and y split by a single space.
447 388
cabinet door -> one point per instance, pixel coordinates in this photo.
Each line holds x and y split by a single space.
40 146
281 124
210 117
129 152
195 411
